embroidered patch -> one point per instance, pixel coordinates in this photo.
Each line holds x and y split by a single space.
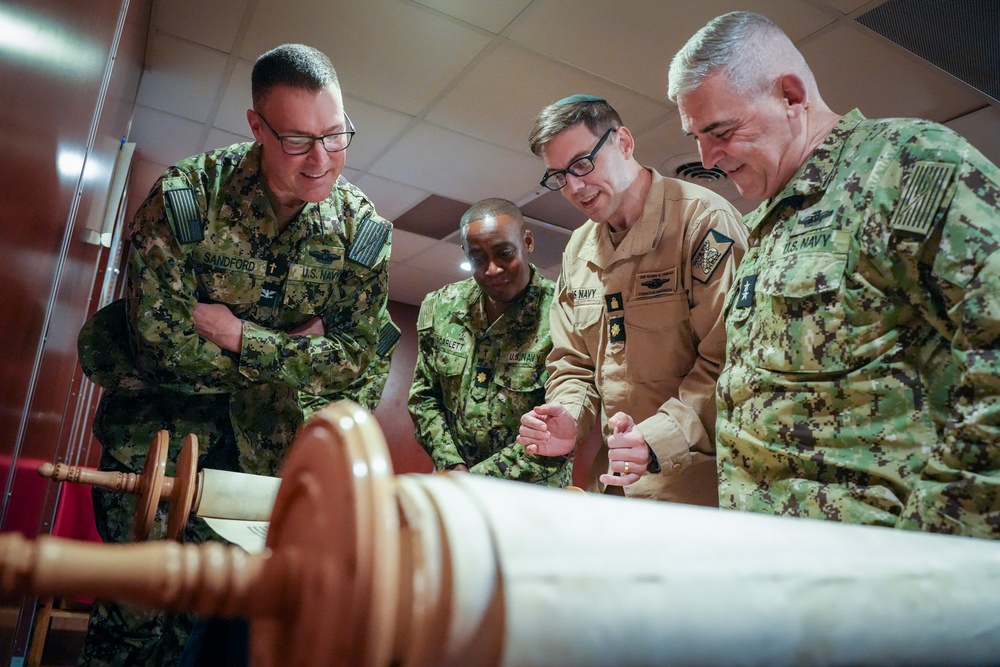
387 337
183 214
270 291
367 245
747 286
584 295
483 374
652 285
710 253
616 329
614 302
922 196
323 256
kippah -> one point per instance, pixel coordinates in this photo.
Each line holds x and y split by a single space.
576 99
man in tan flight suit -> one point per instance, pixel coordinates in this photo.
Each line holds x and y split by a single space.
637 328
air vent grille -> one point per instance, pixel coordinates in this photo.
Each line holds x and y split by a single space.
696 172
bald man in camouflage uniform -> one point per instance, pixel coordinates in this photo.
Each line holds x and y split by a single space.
257 275
482 344
862 378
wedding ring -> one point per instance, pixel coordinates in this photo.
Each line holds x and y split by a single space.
626 467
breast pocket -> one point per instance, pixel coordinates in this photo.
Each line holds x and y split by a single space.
519 389
659 344
588 321
238 289
311 288
799 326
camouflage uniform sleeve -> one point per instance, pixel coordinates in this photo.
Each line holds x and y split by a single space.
425 403
571 382
945 226
512 462
686 422
328 363
367 389
161 296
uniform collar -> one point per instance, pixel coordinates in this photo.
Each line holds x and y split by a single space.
815 173
641 238
248 198
516 317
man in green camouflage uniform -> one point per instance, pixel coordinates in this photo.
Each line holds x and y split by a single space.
256 275
862 378
482 344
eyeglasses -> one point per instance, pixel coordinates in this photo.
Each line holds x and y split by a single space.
299 145
578 167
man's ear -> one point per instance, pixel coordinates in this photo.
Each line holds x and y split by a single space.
529 240
795 94
625 140
253 120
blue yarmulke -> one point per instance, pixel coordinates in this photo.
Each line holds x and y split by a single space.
576 99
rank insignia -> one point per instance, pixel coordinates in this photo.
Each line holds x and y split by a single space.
614 301
270 291
483 374
747 285
710 253
616 329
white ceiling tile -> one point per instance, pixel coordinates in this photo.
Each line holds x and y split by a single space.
631 41
982 129
893 83
376 127
232 113
407 244
494 15
426 158
162 137
212 24
182 78
385 51
445 259
391 199
501 96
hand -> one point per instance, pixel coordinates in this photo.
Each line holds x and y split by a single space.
313 327
628 452
217 323
548 430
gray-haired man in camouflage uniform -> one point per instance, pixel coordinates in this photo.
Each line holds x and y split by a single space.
862 377
482 344
256 274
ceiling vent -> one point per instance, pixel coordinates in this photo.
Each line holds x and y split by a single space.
696 172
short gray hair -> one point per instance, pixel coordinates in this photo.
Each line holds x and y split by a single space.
747 47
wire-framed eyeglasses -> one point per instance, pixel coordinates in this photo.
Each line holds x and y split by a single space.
581 166
300 145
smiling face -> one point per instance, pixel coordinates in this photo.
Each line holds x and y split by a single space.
751 139
497 248
294 180
599 194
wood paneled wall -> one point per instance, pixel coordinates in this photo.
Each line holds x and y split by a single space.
69 72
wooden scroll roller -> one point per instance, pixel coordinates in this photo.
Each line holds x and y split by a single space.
364 568
209 493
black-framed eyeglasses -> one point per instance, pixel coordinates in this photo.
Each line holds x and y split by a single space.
300 145
581 166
